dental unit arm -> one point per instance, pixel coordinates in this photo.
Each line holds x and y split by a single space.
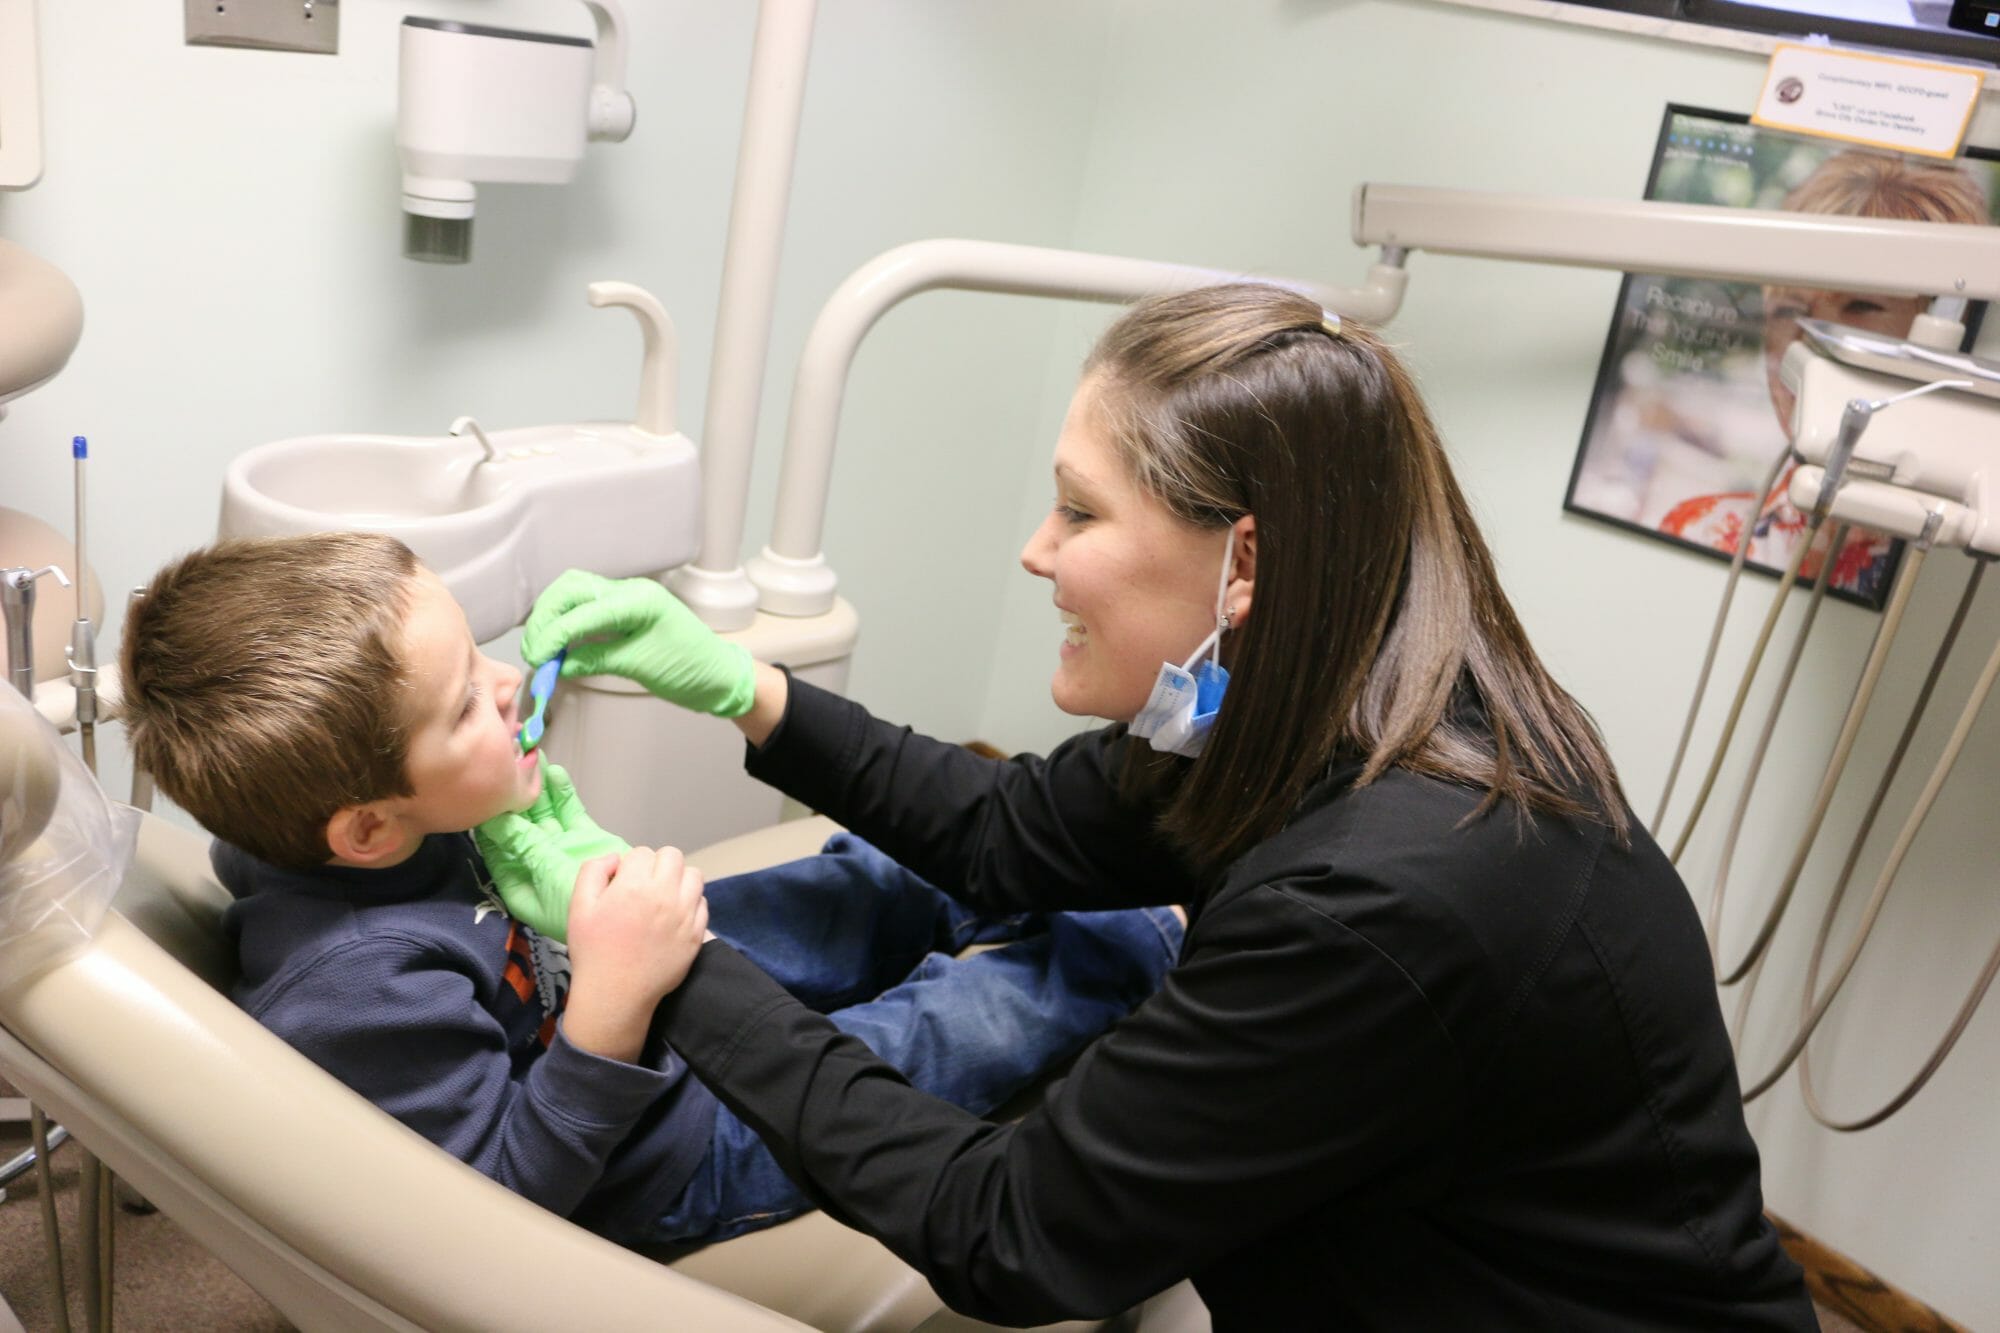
1830 251
790 574
1852 254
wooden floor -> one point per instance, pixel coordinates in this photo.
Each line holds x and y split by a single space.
1849 1296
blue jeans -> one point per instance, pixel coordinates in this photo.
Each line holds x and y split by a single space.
866 942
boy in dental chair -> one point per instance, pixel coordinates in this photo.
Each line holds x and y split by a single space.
319 705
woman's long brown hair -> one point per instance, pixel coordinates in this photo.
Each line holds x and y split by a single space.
1379 630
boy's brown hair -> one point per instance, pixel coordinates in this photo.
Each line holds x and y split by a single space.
264 685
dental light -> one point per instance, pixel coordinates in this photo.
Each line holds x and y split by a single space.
496 104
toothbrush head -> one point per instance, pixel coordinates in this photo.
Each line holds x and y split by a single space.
541 685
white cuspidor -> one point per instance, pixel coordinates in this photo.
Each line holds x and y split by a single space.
498 515
595 495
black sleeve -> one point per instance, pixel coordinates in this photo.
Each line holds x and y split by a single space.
1284 1067
1023 834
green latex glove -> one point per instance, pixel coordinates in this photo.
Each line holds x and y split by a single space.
637 629
536 854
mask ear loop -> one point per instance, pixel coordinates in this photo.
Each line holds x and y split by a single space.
1221 611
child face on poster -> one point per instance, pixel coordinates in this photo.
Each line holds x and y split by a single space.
1861 183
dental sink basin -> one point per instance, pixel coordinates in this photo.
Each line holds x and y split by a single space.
604 496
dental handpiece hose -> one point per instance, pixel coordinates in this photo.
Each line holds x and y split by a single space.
83 634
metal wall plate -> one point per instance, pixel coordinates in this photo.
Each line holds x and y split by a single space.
267 25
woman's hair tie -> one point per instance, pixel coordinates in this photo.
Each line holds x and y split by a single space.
1329 323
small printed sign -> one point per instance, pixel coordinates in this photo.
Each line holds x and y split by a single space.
1913 106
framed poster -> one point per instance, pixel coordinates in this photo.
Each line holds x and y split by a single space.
1688 416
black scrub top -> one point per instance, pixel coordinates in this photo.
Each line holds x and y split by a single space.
1410 1073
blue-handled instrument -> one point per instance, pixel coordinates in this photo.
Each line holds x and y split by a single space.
540 686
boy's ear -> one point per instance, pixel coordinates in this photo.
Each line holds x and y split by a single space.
366 835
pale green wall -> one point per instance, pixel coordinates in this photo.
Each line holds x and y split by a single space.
232 220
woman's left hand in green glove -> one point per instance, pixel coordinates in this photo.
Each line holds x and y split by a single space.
535 855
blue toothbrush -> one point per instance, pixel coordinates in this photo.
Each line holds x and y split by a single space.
540 686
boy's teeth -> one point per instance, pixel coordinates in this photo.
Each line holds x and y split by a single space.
1073 625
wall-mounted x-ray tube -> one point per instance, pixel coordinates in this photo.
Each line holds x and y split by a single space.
476 103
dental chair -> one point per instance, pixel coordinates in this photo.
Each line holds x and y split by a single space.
336 1213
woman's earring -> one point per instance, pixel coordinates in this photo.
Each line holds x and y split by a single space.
1227 612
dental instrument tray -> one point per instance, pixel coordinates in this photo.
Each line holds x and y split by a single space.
1894 356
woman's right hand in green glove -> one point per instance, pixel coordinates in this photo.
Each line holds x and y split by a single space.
637 629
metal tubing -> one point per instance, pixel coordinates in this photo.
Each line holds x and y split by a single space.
83 634
90 1219
24 1162
45 1143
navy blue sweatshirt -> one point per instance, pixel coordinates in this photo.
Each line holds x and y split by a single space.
413 987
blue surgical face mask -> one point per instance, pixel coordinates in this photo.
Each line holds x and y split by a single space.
1185 699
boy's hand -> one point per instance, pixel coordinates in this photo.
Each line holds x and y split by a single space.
633 936
637 629
534 856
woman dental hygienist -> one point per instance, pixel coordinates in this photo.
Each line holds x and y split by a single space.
1442 1050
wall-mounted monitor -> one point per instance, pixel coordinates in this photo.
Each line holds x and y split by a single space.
1980 16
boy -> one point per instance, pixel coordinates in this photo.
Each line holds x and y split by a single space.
318 704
